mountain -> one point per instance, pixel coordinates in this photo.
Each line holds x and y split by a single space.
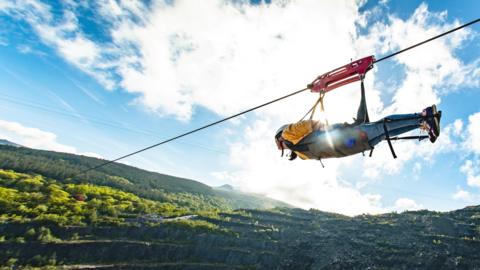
281 238
225 187
122 217
150 185
7 142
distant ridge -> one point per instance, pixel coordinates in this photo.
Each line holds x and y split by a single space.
7 142
149 185
226 187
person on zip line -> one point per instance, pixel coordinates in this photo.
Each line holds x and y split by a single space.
311 139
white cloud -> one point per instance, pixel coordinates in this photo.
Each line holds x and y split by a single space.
91 154
3 41
64 35
473 135
36 138
406 204
24 49
463 195
424 79
382 163
471 169
458 127
466 196
32 137
417 169
242 59
222 176
5 5
471 145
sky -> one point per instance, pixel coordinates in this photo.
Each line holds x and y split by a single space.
106 78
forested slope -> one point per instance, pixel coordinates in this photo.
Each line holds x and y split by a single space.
282 239
51 222
155 186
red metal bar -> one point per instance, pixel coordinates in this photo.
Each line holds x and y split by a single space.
343 75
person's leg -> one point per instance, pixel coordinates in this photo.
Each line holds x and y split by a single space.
395 124
401 123
362 112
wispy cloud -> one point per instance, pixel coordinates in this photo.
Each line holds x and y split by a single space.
32 137
471 146
36 138
473 136
25 49
77 84
471 169
464 195
64 35
3 42
53 96
406 204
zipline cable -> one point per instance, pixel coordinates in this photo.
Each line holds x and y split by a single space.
190 132
263 105
428 40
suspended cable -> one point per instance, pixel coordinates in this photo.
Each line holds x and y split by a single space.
264 104
428 40
190 132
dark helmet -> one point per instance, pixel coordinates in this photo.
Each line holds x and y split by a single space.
278 134
279 131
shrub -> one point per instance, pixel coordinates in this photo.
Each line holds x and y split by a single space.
45 235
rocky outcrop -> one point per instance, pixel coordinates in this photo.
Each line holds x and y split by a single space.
279 239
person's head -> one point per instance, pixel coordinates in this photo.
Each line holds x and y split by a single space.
280 142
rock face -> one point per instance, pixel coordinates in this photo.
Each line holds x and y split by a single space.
254 239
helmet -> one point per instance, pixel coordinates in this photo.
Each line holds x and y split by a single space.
279 131
278 134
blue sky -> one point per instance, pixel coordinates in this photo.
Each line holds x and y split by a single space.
105 78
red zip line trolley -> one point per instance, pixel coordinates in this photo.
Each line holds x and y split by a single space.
352 72
355 71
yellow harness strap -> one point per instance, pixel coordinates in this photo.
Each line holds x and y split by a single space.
294 133
314 108
301 155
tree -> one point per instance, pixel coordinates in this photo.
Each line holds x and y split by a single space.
30 234
45 235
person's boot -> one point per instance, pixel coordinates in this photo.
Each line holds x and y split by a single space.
432 120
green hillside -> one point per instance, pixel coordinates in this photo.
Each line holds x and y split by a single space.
33 198
150 185
107 222
43 225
